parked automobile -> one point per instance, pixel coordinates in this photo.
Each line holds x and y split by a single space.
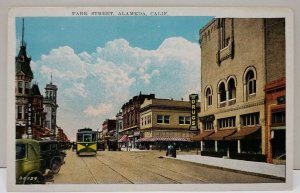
52 154
29 163
34 157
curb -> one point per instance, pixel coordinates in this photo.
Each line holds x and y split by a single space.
232 170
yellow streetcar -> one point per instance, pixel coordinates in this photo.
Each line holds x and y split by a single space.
86 142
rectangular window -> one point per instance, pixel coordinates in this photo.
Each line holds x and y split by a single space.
20 112
163 119
225 123
250 119
167 119
188 120
181 120
20 151
159 119
184 120
278 118
20 87
27 87
208 125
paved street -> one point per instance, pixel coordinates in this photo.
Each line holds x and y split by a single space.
142 167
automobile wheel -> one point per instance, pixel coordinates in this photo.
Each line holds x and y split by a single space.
35 178
55 166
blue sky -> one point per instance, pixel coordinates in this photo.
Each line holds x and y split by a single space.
98 63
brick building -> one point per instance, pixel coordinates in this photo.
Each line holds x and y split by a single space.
109 131
38 114
238 59
23 80
61 136
131 118
108 127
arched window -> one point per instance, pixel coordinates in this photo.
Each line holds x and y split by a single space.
222 92
231 89
208 96
250 82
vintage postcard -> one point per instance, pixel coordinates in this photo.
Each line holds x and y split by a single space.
150 99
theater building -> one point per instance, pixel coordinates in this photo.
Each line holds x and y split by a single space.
237 57
165 121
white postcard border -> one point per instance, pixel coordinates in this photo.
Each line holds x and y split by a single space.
172 11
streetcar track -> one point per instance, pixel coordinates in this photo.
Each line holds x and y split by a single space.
168 178
156 173
94 178
176 172
114 170
180 173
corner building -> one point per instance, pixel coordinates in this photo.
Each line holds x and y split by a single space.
237 57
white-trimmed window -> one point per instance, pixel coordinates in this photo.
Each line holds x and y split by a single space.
226 122
250 119
27 87
20 112
231 89
208 96
222 94
250 82
20 87
165 119
184 120
208 125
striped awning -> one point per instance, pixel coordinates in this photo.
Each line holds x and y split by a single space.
123 139
161 139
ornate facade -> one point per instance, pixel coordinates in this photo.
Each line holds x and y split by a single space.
238 58
50 107
23 79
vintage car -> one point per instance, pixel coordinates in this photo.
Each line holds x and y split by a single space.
29 163
34 157
53 155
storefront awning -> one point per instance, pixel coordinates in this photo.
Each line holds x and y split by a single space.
123 139
146 139
243 133
202 135
161 139
220 134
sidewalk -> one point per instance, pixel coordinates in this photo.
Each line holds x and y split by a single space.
241 165
131 149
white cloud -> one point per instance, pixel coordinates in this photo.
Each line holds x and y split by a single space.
63 63
100 109
116 72
77 89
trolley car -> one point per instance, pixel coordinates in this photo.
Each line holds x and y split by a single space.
86 142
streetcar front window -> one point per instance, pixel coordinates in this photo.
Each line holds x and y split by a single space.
80 137
94 136
87 138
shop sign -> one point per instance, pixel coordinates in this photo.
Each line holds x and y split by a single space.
194 112
29 120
